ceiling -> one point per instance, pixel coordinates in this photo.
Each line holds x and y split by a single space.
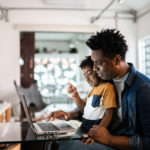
75 5
136 4
84 4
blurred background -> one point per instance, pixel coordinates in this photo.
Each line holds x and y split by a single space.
43 41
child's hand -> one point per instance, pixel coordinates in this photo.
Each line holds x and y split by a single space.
89 140
72 90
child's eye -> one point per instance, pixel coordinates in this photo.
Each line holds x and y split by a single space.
90 73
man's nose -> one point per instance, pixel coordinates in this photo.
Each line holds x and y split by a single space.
95 67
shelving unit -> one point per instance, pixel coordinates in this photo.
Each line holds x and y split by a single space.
53 72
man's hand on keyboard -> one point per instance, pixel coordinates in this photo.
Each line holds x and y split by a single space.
58 115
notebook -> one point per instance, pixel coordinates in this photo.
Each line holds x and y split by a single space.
54 127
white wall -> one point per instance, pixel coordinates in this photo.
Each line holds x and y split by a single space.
9 56
128 29
52 20
143 23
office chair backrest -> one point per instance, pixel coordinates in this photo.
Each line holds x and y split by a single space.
32 95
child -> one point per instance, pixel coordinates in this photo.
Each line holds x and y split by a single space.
100 105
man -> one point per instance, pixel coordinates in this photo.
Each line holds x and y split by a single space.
108 54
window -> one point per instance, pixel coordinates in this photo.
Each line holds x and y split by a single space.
144 56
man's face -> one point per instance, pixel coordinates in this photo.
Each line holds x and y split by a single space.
105 67
91 76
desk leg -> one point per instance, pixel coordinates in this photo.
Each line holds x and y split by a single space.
1 117
8 114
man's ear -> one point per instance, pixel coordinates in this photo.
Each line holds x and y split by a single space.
117 59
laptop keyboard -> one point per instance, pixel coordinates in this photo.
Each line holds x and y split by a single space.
47 127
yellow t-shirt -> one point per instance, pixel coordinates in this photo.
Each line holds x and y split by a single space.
100 98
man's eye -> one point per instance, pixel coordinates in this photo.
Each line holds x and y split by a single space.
100 63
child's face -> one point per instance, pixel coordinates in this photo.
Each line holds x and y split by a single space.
91 76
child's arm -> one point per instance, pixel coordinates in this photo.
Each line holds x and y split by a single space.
73 91
110 104
108 116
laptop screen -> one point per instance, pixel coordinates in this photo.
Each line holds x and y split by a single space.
16 87
23 100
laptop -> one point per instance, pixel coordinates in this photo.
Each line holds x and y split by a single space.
42 128
55 127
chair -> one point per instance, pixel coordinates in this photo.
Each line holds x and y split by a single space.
33 97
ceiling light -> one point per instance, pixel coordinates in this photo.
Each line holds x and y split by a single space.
79 3
120 1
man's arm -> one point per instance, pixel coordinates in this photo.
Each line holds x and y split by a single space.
143 115
121 142
59 114
102 135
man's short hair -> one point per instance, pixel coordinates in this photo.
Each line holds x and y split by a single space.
110 42
86 62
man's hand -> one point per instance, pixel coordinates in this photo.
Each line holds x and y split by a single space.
100 134
59 115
